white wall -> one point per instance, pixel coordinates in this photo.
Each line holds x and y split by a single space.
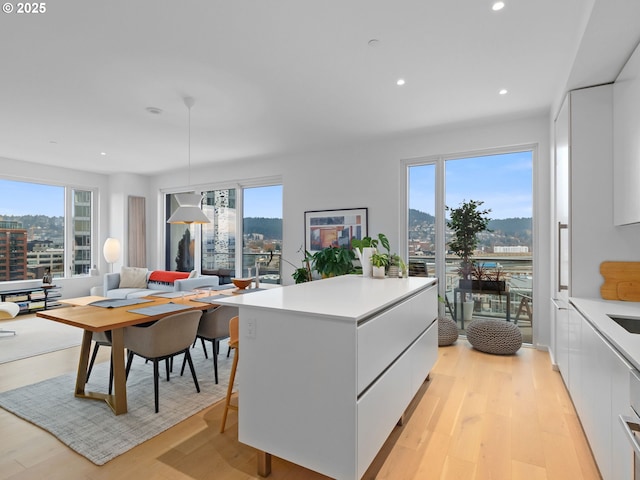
121 186
368 175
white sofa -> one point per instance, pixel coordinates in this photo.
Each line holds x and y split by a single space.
145 282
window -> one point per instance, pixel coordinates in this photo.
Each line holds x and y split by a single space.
262 232
251 215
180 240
219 236
44 226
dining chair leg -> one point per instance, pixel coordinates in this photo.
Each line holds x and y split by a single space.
216 349
93 359
204 347
110 376
129 361
187 356
156 375
232 377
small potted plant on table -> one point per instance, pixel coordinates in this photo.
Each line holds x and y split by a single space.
379 261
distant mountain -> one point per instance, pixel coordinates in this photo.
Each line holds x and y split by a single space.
416 217
271 228
512 226
507 226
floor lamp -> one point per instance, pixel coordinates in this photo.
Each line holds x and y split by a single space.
111 251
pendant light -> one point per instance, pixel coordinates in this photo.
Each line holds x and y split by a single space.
188 210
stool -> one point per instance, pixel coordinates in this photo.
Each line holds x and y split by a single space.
447 332
234 344
494 336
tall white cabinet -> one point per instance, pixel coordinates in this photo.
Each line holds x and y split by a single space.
585 237
583 226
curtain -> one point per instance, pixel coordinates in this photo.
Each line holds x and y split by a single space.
137 244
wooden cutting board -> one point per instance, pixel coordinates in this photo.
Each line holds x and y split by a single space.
621 281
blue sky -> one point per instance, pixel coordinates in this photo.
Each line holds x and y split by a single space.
503 182
20 198
263 202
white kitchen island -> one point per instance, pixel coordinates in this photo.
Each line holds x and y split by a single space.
327 368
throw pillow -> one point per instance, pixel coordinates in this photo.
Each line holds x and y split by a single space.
133 277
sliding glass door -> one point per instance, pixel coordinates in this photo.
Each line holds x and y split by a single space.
503 183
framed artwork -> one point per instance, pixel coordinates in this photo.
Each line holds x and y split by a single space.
325 228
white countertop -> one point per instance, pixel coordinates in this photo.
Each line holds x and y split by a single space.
348 297
596 310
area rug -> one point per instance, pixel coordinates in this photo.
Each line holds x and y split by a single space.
35 336
90 428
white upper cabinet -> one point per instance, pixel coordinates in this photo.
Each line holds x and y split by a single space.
626 148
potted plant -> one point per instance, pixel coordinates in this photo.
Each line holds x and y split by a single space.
303 274
366 247
397 267
485 279
466 222
333 261
379 261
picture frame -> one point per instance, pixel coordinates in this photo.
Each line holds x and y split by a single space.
324 228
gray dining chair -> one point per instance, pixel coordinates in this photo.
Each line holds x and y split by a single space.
162 340
100 339
213 327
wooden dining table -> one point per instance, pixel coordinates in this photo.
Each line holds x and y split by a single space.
82 314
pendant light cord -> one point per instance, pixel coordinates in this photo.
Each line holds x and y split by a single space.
188 101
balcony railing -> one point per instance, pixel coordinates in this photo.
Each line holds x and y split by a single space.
517 272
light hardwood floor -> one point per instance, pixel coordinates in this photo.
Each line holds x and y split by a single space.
479 417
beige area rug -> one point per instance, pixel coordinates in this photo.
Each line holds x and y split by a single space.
90 428
35 336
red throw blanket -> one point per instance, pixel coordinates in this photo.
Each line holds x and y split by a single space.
163 276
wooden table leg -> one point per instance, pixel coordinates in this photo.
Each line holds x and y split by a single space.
83 362
264 463
119 375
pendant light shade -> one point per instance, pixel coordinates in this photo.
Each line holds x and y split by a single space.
188 210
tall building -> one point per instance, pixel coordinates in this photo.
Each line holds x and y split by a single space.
13 251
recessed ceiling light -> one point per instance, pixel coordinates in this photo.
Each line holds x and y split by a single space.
104 154
400 82
154 110
504 91
497 6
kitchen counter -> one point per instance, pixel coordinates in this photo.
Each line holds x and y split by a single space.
595 310
328 367
348 297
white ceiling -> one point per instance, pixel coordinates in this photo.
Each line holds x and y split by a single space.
272 77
